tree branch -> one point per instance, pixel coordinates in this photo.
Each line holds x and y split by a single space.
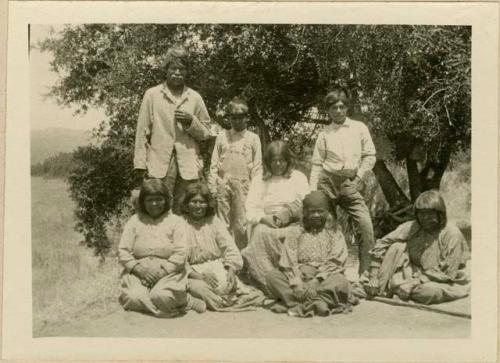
432 95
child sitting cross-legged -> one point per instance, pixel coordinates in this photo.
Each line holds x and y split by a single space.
310 279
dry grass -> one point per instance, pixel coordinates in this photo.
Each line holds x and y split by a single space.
456 189
68 280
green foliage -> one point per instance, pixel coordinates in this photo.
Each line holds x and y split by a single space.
410 83
57 166
100 183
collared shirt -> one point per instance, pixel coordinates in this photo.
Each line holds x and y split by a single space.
236 155
345 150
158 133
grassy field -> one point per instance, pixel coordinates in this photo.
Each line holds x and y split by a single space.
69 281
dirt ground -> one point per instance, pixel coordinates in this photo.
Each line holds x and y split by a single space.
369 319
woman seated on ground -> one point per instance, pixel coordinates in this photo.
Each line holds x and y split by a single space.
273 202
422 260
212 256
154 278
310 279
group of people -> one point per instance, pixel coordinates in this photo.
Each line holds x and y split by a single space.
256 231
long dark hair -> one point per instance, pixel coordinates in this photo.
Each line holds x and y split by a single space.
432 200
153 187
281 148
198 188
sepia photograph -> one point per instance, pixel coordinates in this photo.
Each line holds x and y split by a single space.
202 162
251 180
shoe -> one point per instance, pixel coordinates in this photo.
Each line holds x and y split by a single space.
196 304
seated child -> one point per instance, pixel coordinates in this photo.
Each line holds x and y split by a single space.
310 279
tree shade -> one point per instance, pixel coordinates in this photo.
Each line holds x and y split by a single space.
410 84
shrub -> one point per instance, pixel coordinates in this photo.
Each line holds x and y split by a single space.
99 184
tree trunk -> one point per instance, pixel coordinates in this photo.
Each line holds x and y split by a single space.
263 133
414 178
392 192
435 167
432 179
400 207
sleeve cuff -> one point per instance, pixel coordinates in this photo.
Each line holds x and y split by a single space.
140 165
194 126
322 276
169 267
129 265
424 279
227 266
295 281
190 128
255 219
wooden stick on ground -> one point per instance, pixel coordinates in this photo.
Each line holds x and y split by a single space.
420 307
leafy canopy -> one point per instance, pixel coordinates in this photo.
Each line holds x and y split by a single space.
411 83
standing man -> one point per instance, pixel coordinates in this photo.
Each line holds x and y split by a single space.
172 120
343 153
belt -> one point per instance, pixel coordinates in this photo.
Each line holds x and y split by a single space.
339 176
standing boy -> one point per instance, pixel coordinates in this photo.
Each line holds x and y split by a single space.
172 120
236 160
343 153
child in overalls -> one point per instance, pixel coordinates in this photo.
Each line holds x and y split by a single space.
236 160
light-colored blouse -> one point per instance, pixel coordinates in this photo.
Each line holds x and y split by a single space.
208 241
144 237
440 256
270 196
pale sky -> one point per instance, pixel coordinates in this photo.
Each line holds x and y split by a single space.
45 113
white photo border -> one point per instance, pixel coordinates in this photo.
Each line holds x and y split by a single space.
17 340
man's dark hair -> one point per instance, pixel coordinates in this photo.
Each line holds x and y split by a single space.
237 103
176 54
336 95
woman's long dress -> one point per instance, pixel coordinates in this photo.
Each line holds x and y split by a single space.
211 249
436 262
153 244
278 196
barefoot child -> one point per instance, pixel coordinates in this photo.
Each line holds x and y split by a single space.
310 279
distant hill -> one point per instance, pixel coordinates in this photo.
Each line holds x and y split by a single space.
49 142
